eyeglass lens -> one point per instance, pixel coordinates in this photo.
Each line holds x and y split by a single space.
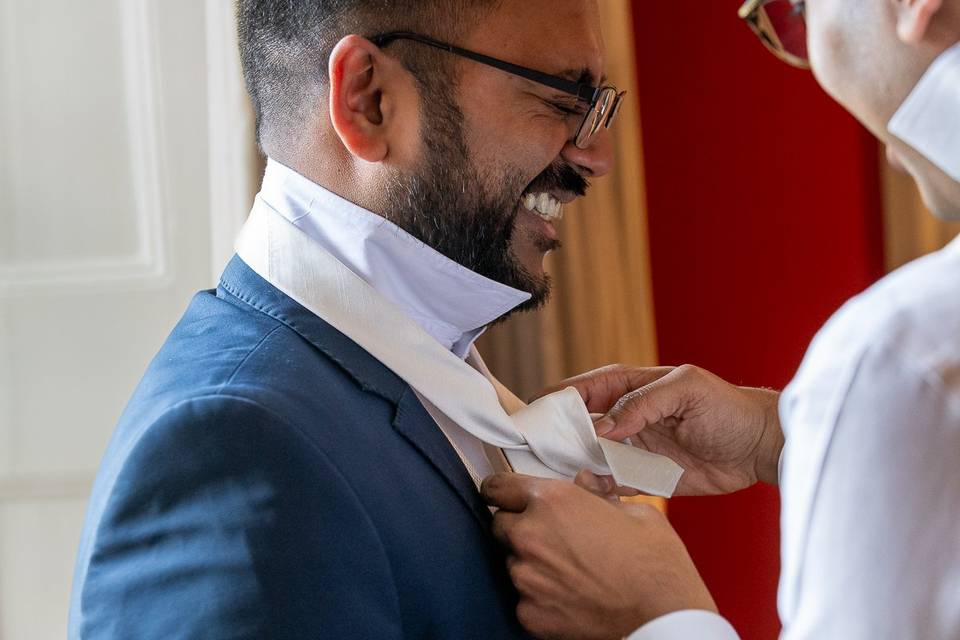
601 114
786 22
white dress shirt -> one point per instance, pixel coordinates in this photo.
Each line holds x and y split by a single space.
450 302
870 481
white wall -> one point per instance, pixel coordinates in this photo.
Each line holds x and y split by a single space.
125 169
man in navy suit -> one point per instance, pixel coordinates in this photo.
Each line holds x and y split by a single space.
270 478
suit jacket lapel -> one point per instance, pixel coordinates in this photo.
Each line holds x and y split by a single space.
414 423
411 420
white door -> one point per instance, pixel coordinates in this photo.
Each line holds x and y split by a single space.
125 169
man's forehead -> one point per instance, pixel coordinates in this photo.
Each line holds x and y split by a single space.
561 37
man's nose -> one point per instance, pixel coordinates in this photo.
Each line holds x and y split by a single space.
594 161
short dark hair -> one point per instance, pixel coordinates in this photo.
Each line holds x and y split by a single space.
285 46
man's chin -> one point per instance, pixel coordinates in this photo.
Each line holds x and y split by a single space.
945 206
538 298
539 287
894 160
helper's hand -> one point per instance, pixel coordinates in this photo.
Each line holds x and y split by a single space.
725 437
585 567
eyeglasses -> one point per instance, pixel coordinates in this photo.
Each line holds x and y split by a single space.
782 26
604 102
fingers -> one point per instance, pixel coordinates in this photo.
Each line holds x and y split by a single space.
504 523
509 491
667 396
601 388
602 486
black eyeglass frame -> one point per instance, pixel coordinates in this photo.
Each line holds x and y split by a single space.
582 91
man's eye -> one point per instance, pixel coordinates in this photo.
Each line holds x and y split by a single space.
566 109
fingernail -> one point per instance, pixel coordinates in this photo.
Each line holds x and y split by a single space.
593 483
604 426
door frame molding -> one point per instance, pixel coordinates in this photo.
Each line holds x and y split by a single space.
233 156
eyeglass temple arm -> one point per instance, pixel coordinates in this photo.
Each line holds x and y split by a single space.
748 8
583 92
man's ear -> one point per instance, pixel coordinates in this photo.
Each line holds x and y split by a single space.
913 18
356 92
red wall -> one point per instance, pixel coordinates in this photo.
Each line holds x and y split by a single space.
764 217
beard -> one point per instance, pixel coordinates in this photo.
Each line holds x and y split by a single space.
447 204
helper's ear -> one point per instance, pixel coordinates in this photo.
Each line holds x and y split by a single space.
913 18
357 83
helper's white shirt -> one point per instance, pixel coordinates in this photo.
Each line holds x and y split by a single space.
450 302
870 482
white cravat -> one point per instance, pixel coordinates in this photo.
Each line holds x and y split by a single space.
552 437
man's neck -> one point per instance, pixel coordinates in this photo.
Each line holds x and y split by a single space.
450 302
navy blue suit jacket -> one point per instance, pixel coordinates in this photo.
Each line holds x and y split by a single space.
271 479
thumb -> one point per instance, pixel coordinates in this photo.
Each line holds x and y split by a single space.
603 486
647 405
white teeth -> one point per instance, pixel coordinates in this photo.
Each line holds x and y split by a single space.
544 202
545 205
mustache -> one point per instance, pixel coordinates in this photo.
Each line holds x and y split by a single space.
560 177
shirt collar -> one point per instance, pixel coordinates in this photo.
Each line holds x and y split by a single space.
452 303
927 120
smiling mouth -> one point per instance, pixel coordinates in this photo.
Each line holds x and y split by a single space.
544 205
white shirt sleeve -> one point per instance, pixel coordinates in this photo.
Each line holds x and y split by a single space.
686 625
870 490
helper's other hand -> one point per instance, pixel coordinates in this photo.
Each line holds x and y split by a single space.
724 436
585 567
